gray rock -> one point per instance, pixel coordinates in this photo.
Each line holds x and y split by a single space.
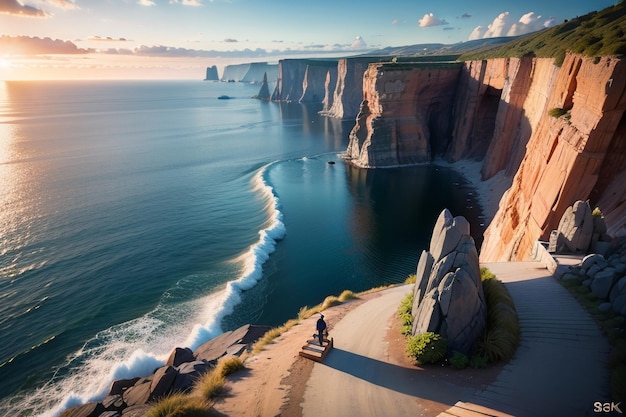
188 374
587 282
218 347
454 302
179 356
576 225
570 276
113 403
162 381
136 410
618 289
602 283
424 267
447 233
591 259
139 393
119 386
85 410
619 304
594 269
620 268
604 307
111 414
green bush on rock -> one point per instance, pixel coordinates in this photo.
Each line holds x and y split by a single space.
427 348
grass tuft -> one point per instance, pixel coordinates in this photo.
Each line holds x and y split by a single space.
229 366
180 405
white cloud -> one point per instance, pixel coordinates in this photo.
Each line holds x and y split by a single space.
147 3
64 4
504 25
358 44
430 19
194 3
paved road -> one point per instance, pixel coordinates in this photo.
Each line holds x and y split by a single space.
558 370
560 367
357 380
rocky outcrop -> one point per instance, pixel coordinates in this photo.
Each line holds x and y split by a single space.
448 293
579 231
264 92
576 156
181 371
405 115
605 277
211 74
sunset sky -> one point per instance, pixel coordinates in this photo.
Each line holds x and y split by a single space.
165 39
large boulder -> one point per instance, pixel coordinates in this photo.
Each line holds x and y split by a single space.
576 230
448 295
215 348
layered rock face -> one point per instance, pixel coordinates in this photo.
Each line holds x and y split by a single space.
578 156
405 114
250 73
302 80
448 293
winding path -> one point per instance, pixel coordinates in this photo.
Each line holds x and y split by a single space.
558 370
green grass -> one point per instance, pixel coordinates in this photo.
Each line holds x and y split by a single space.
427 348
594 34
501 337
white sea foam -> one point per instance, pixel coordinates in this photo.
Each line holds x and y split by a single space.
147 341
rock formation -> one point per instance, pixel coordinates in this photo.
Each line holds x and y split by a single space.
405 115
448 293
579 231
264 92
578 156
211 74
505 112
301 80
182 369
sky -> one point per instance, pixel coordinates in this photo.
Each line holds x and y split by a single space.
178 39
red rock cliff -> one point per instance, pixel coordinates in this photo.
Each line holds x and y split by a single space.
405 113
578 156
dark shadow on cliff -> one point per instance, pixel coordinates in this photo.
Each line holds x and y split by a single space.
414 382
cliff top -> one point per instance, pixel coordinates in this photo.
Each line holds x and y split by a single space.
595 34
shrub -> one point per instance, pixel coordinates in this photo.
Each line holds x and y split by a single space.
478 362
411 279
427 348
459 360
404 312
501 337
557 112
180 405
229 366
347 295
210 385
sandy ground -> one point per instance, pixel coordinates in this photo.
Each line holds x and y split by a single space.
278 382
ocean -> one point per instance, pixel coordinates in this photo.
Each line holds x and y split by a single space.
141 216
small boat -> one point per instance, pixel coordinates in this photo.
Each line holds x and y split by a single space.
224 97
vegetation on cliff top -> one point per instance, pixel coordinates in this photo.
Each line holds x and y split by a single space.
595 34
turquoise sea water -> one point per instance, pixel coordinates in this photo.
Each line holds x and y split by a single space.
140 216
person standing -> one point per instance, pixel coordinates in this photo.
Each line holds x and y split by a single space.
321 326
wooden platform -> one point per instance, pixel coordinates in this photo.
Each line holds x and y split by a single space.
462 409
312 350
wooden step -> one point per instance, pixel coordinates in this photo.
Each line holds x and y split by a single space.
312 350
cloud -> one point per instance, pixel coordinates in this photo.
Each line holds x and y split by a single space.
358 44
147 3
448 28
194 3
26 45
465 16
13 7
64 4
107 39
230 40
505 25
430 19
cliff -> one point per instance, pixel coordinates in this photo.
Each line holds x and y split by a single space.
556 134
405 114
302 80
580 155
250 73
